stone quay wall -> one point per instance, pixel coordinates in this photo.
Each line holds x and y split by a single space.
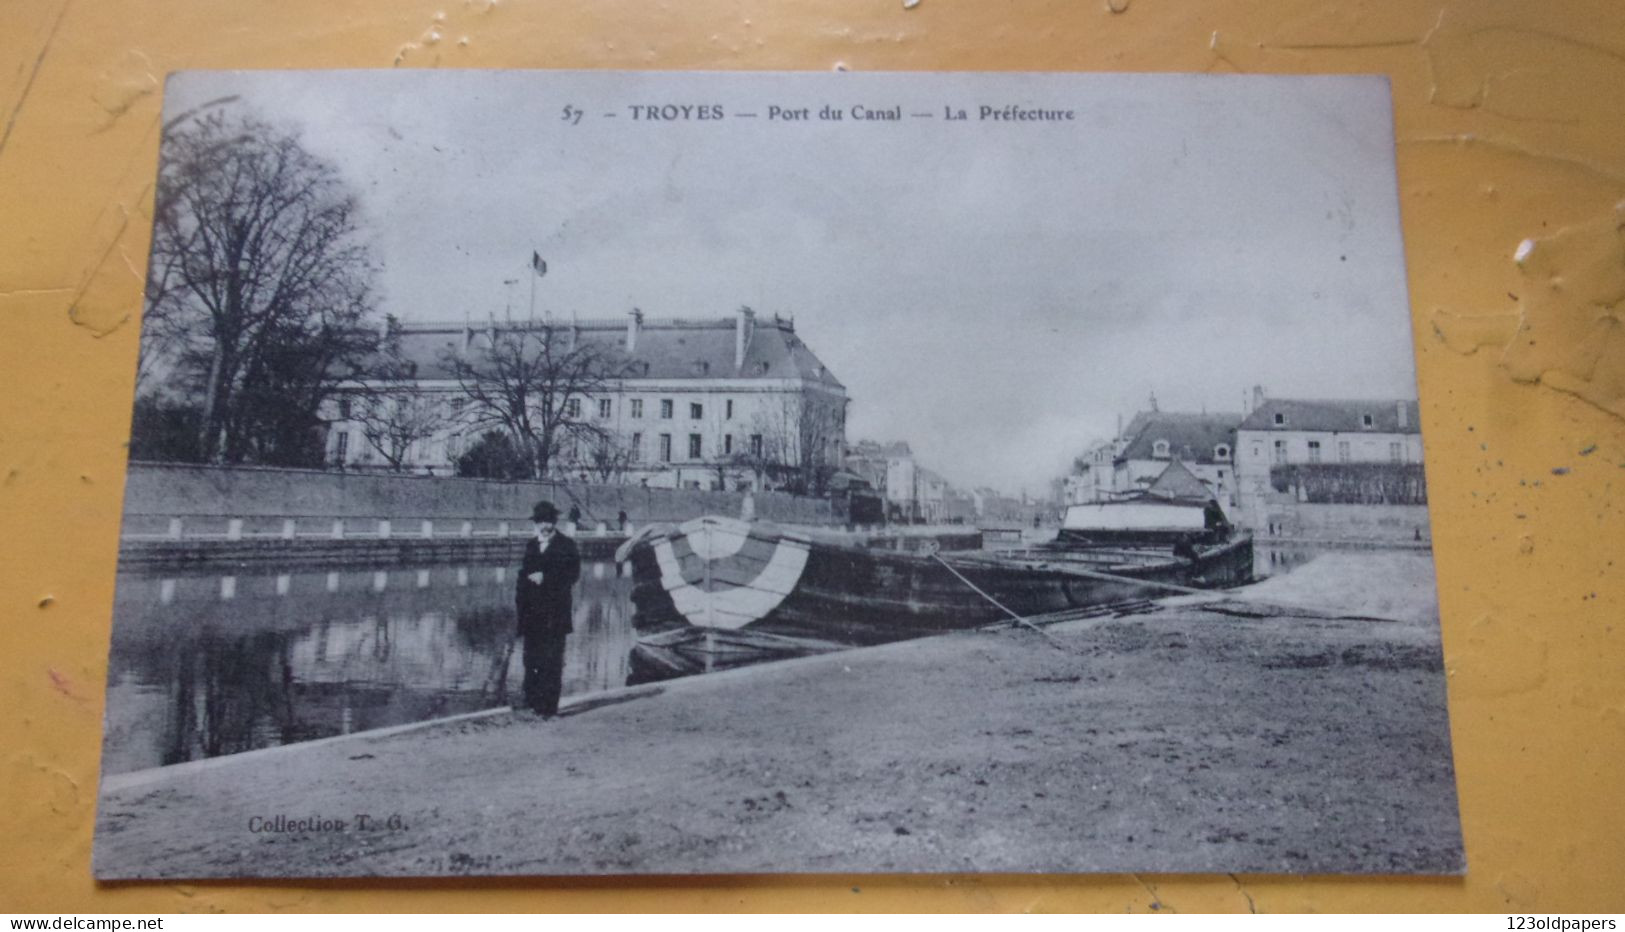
1352 524
247 501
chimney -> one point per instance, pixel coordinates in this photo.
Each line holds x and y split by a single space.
744 323
1258 397
634 326
1404 415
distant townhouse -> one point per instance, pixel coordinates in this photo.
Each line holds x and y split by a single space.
1094 477
1291 452
694 403
1204 444
890 469
958 507
995 507
912 492
931 496
874 461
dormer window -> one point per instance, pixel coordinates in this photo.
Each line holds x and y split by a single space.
1160 449
1221 452
1280 419
1367 422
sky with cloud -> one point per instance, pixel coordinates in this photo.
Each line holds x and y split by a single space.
995 293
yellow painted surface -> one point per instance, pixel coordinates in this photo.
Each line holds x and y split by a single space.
1511 127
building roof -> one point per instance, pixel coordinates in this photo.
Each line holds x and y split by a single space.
1179 482
666 348
1191 437
1342 416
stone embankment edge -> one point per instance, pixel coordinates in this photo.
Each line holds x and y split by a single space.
116 783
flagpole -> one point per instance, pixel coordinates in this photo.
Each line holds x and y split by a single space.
533 294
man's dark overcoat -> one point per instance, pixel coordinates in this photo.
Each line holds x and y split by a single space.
545 609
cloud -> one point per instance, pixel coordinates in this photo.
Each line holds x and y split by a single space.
995 295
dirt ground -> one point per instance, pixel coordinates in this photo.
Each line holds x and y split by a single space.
1178 740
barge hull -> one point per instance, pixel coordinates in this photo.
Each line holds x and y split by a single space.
864 597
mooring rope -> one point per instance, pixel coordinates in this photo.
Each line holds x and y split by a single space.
1220 595
1001 606
1213 594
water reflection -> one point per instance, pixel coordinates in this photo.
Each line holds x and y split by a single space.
211 664
1276 559
205 664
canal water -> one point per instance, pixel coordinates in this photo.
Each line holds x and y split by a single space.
206 664
210 664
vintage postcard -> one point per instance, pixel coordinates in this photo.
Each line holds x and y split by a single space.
602 473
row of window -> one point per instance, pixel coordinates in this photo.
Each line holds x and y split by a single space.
1396 452
1160 450
696 446
1367 422
454 407
606 408
668 409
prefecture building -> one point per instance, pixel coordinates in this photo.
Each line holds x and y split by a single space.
735 402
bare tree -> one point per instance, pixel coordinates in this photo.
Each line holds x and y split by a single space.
532 380
393 411
258 284
801 440
820 436
769 450
728 467
609 456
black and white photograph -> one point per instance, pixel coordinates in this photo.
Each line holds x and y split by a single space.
605 473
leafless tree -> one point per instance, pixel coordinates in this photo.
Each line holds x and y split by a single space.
259 283
821 436
533 380
609 456
392 409
767 451
802 437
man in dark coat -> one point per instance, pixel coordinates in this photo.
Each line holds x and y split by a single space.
542 598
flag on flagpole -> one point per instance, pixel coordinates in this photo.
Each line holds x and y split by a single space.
538 263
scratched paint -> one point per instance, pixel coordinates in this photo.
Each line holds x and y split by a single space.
1508 117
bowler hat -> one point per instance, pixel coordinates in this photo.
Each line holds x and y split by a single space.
545 511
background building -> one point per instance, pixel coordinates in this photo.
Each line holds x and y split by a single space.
711 403
1204 443
1301 458
1093 478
